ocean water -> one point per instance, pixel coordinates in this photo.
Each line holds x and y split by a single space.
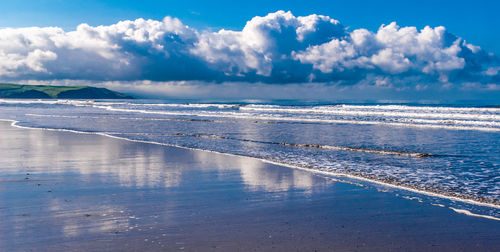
448 151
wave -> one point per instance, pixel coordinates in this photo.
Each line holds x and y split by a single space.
423 108
449 122
349 112
93 102
62 116
386 107
189 105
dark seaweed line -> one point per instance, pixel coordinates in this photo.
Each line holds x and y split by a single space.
317 146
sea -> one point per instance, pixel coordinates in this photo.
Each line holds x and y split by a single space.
448 155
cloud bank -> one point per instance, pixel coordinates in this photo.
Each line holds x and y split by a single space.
278 48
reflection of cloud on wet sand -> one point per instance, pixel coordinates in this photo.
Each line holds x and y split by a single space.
88 219
258 175
63 218
131 164
137 164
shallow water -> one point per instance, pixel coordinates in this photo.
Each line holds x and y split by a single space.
449 150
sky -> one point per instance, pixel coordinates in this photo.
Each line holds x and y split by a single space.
475 20
346 44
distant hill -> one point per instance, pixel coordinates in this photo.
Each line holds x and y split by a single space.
57 92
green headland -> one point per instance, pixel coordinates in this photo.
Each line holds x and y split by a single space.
8 90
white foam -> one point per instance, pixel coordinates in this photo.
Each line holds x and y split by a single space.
61 116
189 105
467 212
388 107
422 108
40 101
349 112
439 205
450 122
92 102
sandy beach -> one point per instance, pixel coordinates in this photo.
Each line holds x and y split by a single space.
64 191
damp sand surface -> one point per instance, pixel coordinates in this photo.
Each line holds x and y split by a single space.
63 191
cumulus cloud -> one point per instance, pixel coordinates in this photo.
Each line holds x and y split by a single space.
276 48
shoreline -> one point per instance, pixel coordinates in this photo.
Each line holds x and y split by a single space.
90 192
333 174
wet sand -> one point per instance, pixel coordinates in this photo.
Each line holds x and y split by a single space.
63 191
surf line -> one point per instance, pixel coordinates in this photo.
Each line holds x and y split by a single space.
14 123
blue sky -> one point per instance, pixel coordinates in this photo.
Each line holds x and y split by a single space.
477 21
433 48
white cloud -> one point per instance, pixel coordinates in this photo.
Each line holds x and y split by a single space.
334 55
392 49
390 61
35 59
264 42
276 48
